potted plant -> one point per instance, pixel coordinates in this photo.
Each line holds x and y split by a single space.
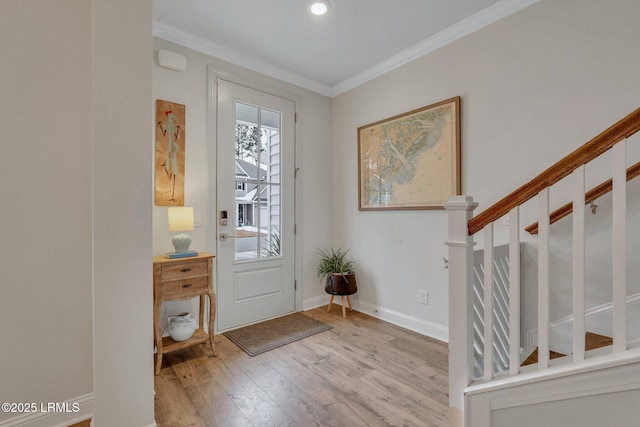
337 270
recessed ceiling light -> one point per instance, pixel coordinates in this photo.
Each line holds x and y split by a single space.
319 7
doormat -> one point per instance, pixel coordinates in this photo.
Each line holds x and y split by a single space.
274 333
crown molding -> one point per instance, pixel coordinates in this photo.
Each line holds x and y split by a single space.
233 56
465 27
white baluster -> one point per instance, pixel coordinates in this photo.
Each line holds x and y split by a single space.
488 302
543 279
578 265
514 291
619 237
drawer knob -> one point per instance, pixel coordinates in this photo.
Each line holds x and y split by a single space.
187 285
185 270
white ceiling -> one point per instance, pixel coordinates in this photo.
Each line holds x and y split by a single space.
354 42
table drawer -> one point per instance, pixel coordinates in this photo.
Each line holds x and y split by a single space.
184 287
184 270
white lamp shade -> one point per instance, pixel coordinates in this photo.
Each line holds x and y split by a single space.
180 218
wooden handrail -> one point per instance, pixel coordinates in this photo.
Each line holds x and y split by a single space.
590 196
624 128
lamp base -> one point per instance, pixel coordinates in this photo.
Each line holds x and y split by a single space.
181 242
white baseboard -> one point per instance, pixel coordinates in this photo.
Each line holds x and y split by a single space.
78 409
598 320
421 326
315 302
598 310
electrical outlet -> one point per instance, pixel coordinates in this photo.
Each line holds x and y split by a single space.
423 297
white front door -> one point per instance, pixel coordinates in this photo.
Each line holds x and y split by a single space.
255 201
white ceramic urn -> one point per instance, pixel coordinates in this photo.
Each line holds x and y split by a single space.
182 327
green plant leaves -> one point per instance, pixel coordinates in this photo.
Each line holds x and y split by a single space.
334 261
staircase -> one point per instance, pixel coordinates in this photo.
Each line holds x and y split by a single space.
488 384
592 341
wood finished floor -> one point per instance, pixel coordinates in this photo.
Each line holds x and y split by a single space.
363 372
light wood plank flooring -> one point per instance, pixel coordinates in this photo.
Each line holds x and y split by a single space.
363 372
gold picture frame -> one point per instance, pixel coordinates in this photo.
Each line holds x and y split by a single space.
412 160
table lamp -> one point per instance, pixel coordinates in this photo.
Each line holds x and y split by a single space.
181 219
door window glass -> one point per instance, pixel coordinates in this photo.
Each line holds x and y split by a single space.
257 183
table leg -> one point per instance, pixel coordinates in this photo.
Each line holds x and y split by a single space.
212 318
158 335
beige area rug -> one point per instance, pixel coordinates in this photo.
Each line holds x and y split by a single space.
265 336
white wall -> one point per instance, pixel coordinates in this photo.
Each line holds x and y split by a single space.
592 398
622 409
313 157
75 259
45 188
122 160
534 86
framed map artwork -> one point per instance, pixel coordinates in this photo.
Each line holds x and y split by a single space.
410 161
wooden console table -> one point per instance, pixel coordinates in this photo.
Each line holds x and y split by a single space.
181 279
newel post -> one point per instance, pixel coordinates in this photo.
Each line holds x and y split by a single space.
460 211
